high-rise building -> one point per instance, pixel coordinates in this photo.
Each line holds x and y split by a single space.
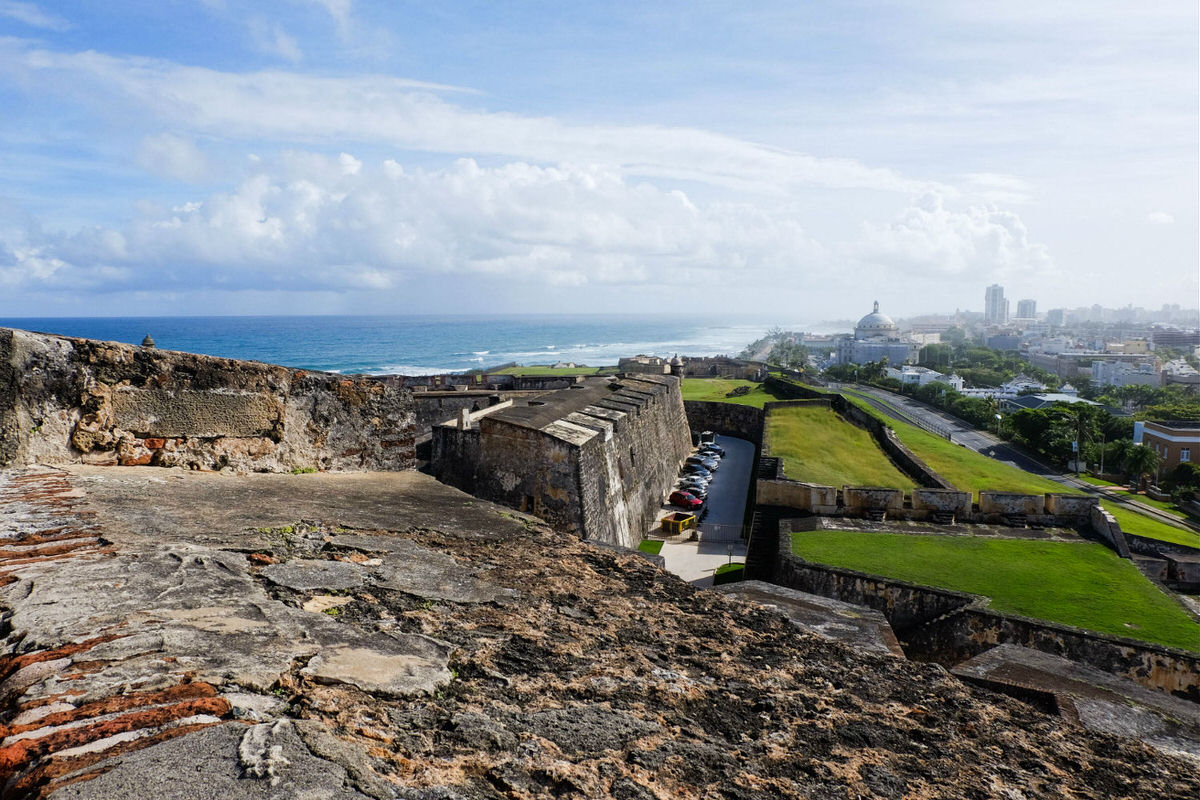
1027 309
1056 316
995 307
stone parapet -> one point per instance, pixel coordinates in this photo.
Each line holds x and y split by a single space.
65 400
926 502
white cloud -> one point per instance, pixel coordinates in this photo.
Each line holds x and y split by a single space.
997 188
381 110
310 221
981 242
338 9
33 16
1159 218
172 156
272 39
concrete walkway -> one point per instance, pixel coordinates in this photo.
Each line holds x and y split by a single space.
695 562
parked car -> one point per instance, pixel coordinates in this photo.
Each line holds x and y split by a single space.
685 500
709 464
697 487
696 469
714 449
707 436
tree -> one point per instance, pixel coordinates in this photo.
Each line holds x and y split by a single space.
1140 462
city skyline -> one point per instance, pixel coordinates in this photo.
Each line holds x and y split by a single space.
334 156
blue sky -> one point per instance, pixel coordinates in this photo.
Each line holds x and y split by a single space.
804 159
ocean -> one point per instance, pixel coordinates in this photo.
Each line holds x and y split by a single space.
417 344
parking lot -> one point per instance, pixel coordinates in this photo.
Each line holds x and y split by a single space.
720 531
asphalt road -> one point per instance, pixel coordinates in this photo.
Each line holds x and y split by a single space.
731 483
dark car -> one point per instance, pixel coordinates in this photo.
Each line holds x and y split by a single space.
707 437
714 449
685 500
696 469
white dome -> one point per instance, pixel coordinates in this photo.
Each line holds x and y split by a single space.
875 324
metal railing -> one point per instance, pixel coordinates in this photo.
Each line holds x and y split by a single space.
719 532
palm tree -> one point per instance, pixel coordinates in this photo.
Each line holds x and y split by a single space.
1140 462
1117 452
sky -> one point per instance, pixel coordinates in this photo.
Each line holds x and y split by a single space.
787 159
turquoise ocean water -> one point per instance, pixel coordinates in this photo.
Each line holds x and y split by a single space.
416 345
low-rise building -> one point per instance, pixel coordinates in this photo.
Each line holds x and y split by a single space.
1044 400
1176 442
1179 372
921 376
1117 373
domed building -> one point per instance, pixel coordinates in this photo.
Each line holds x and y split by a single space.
876 337
876 325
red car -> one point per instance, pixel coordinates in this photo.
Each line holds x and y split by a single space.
685 500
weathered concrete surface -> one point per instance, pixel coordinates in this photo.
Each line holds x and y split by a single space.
66 400
858 626
1100 701
147 655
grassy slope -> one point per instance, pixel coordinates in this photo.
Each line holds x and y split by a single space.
1133 522
963 467
818 446
715 389
1161 505
1094 481
1076 583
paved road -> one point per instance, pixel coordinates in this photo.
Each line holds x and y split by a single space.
906 409
731 483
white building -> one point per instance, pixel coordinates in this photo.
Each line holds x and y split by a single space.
1118 373
920 376
876 337
995 307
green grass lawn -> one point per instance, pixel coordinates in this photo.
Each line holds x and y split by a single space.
1094 481
548 370
652 546
818 446
715 389
1161 505
963 467
1076 583
1133 522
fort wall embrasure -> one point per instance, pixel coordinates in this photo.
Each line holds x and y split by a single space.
65 400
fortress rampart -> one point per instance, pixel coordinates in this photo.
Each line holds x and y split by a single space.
595 460
65 400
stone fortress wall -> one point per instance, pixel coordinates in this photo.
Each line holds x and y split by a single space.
65 400
596 459
949 627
